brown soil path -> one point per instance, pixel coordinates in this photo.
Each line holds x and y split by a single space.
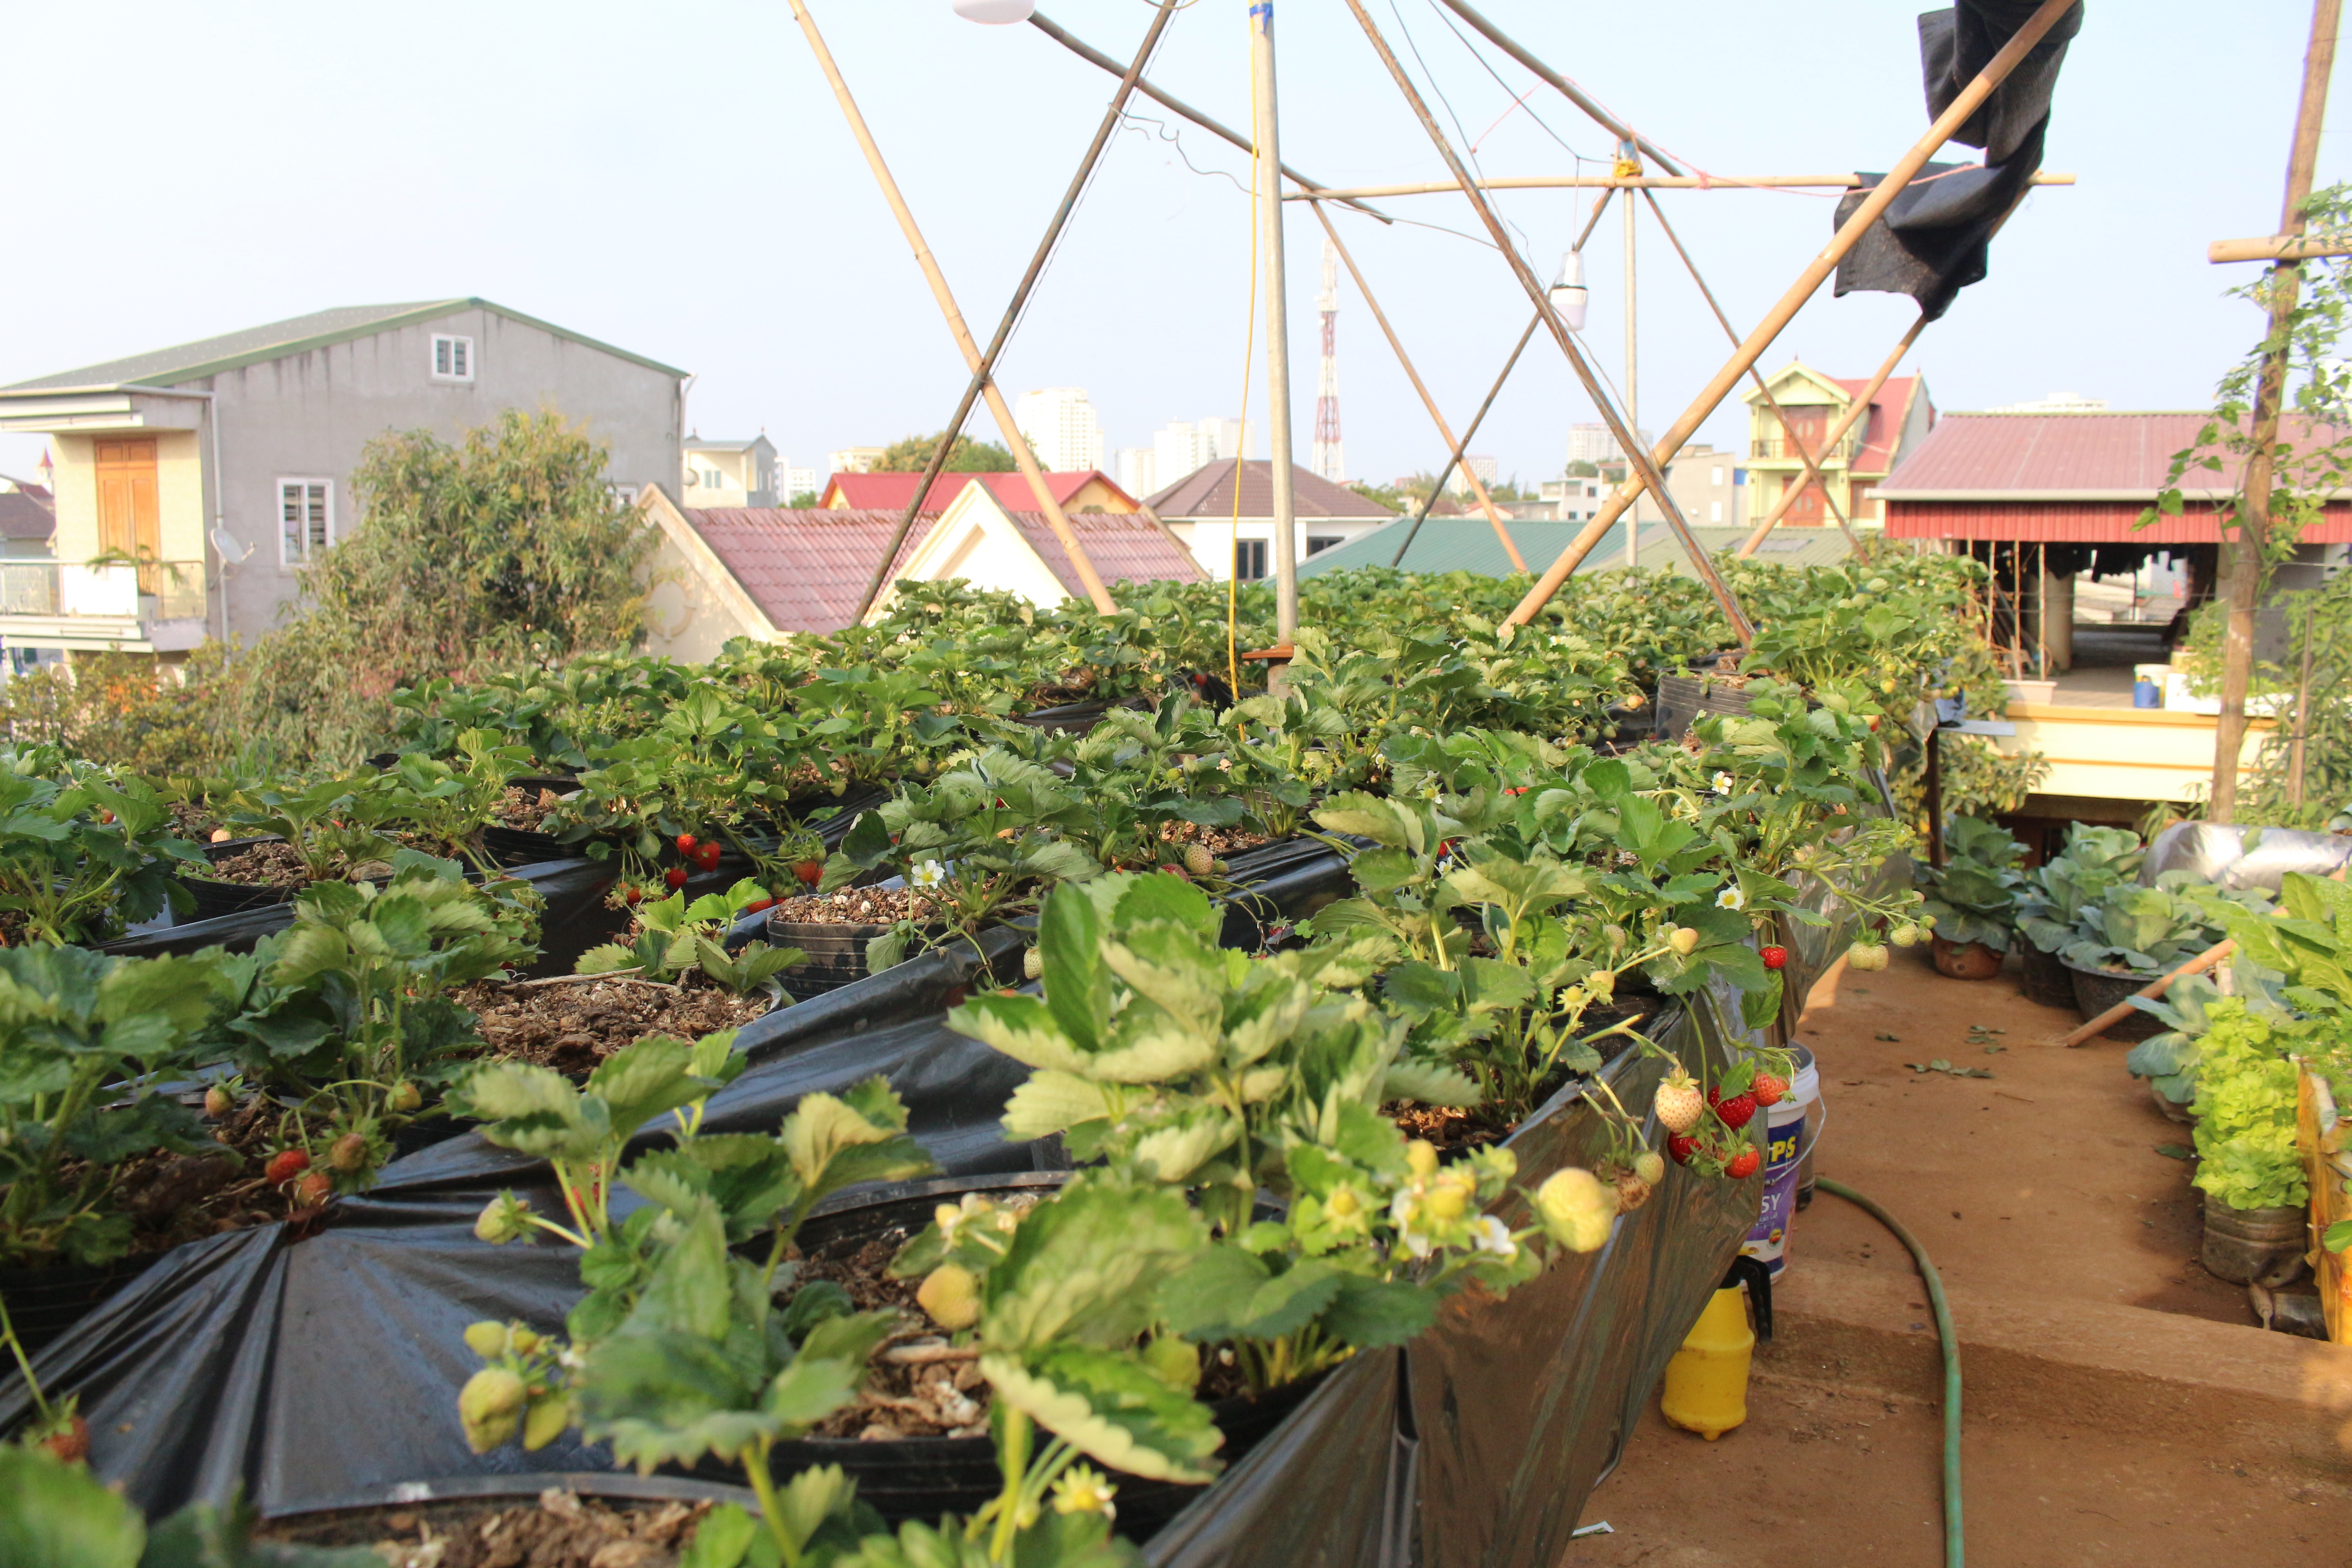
2032 1189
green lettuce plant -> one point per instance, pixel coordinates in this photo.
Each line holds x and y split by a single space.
2246 1106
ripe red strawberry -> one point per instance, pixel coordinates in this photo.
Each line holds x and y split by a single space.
1737 1112
1680 1146
675 876
810 872
1743 1164
72 1447
1774 957
285 1165
314 1189
1176 872
686 842
632 893
756 905
705 854
1769 1089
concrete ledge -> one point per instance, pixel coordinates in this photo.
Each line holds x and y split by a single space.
2073 1361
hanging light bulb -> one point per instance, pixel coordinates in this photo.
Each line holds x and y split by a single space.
1569 294
994 13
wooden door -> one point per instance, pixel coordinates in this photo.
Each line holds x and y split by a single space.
1807 510
127 518
1806 427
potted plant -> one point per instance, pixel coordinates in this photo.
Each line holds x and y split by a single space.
2133 934
1973 900
2055 894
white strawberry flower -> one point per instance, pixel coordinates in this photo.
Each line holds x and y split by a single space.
1491 1235
1723 783
1731 897
927 874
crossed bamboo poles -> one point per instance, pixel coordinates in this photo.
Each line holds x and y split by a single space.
1647 467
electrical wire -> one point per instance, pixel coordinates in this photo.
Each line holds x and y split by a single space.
1505 85
1435 86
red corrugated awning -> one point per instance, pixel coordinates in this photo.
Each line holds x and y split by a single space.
2079 522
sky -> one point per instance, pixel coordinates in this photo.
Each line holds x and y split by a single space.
677 180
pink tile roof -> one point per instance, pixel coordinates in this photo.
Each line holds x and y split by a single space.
1884 427
890 493
1123 546
1208 491
2050 455
806 568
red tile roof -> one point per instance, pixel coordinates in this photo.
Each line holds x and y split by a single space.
2082 478
1208 491
807 568
1122 546
891 492
1883 427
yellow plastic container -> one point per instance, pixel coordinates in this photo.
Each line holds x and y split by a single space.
1706 1383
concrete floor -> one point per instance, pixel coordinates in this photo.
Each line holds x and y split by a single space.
2120 1405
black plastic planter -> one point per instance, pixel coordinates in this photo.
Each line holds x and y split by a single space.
215 898
836 954
449 1505
2096 990
2047 980
45 1303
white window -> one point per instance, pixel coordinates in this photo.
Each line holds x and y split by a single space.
306 514
453 358
713 480
1718 478
1715 511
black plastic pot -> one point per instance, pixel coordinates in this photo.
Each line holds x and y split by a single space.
2046 979
528 846
836 954
923 1477
43 1304
450 1505
2096 990
215 898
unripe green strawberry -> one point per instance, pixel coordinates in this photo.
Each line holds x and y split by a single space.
1684 940
1678 1103
1198 861
1576 1209
1421 1158
1905 935
549 1417
1865 955
487 1339
1032 964
218 1102
490 1407
503 1219
1651 1166
348 1153
952 1296
404 1098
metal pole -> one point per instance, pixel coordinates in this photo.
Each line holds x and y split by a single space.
1268 170
1013 440
1788 432
1645 466
1469 434
1445 431
1095 56
1020 300
2302 713
1874 207
2244 553
1626 153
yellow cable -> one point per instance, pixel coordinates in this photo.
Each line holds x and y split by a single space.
1249 349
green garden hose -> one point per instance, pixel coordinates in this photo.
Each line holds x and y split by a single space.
1955 1550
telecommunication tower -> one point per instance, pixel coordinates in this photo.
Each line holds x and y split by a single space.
1329 463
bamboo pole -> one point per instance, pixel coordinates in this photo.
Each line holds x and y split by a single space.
1627 153
1650 183
1855 411
2152 991
1013 440
1812 468
980 379
1469 434
1560 84
1968 101
1445 431
2276 247
1266 176
1095 56
1645 468
2242 555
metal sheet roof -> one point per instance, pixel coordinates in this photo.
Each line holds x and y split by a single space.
1468 544
2102 457
1208 492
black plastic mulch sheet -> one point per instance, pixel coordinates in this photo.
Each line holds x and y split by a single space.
1933 241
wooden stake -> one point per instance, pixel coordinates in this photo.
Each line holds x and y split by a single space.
1469 434
2244 553
1646 473
1787 430
1013 440
1968 101
2276 247
1266 174
1445 431
981 377
2152 990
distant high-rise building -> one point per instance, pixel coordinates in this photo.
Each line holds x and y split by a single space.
1482 466
852 459
1592 443
1060 424
1182 447
2056 403
801 482
1136 470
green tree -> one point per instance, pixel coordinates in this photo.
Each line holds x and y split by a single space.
913 455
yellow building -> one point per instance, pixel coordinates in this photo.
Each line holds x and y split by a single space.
1900 418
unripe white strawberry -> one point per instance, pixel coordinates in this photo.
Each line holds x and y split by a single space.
1198 861
490 1407
1576 1209
1684 940
1032 964
1651 1166
1678 1103
1865 955
952 1296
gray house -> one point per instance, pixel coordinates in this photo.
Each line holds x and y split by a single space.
193 484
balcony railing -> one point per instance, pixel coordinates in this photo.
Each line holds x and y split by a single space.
146 592
1782 448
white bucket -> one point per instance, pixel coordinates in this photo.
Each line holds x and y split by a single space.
1793 1126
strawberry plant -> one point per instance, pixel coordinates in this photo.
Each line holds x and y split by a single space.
81 856
86 1040
675 937
449 805
59 1515
334 822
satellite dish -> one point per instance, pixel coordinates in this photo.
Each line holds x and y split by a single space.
228 546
